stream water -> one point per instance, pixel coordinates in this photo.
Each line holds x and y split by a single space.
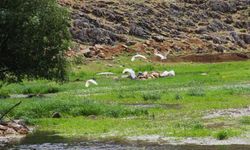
51 141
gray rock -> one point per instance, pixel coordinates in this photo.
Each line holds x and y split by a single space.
237 39
201 30
216 25
158 38
97 36
138 31
245 38
242 24
219 40
4 128
229 20
130 43
222 6
219 48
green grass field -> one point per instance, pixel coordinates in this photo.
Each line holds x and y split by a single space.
118 108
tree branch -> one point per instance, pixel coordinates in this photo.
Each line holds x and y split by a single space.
17 104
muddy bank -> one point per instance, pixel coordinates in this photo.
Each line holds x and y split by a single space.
50 140
156 139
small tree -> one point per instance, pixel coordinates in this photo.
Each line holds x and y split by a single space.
33 37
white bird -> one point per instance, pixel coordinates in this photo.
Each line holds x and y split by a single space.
168 74
137 56
171 73
131 72
163 57
88 82
105 73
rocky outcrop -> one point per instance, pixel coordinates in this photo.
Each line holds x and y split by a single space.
13 127
216 25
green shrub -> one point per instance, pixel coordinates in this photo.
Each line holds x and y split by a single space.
151 96
238 90
196 91
40 89
195 125
4 94
245 120
78 60
178 97
222 135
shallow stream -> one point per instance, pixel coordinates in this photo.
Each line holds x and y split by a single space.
49 140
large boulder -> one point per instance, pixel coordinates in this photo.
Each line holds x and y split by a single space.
158 38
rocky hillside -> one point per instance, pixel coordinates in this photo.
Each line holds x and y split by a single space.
190 26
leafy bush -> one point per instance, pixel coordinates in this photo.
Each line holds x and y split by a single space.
178 97
34 35
41 89
222 135
4 94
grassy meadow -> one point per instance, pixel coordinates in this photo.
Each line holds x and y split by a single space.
120 107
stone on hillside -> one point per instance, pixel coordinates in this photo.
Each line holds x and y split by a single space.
245 38
201 30
9 131
219 48
229 20
222 6
3 128
237 39
23 131
158 38
217 25
138 31
14 125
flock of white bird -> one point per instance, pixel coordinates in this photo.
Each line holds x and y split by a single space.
131 72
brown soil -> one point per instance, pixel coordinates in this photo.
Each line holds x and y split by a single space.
209 58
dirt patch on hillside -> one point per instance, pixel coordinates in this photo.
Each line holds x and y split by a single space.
209 58
147 48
